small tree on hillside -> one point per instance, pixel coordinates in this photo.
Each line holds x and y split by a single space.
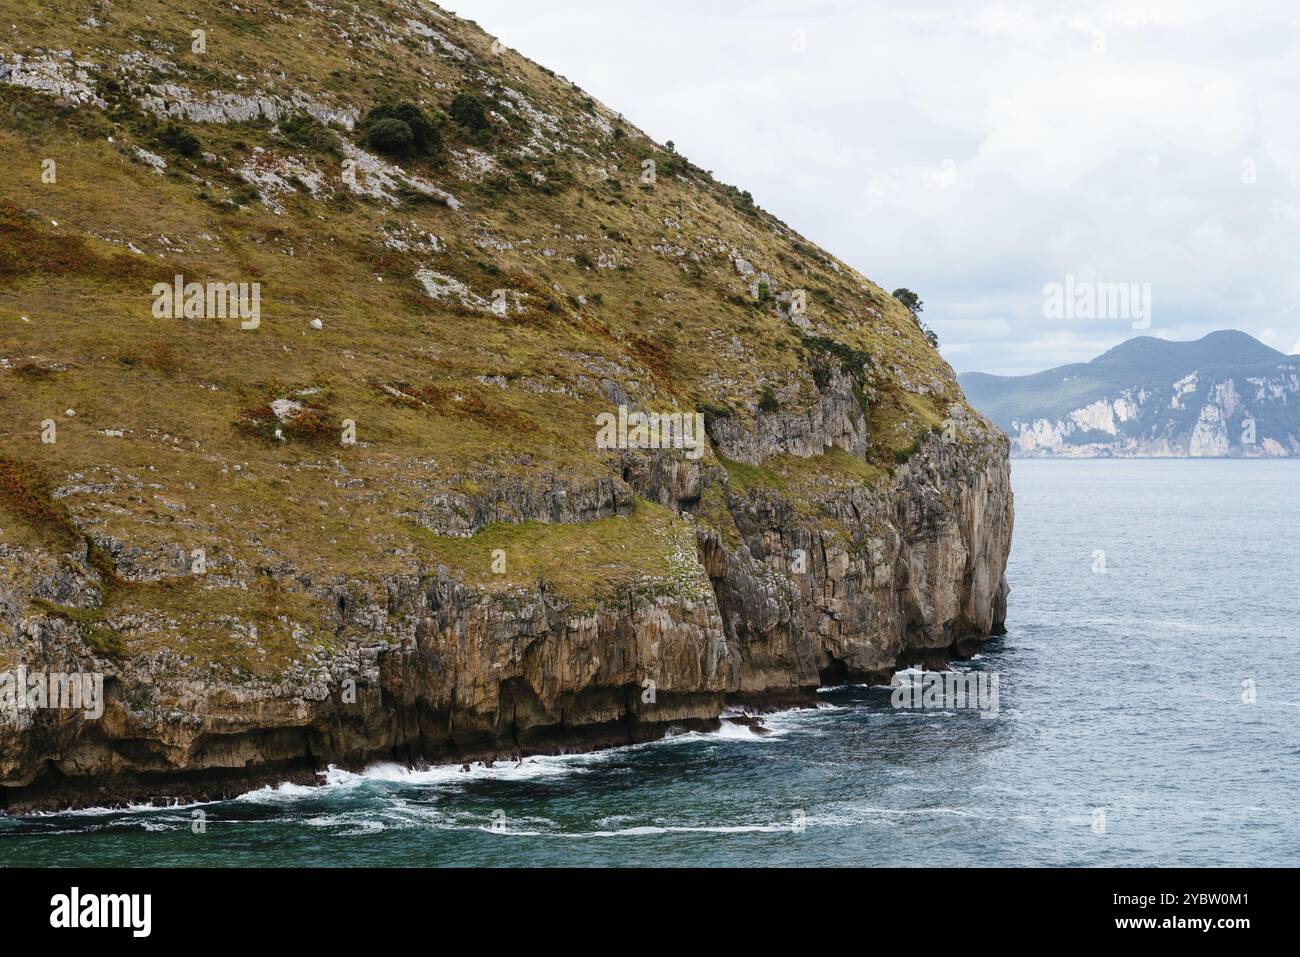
469 111
391 137
915 306
402 129
911 300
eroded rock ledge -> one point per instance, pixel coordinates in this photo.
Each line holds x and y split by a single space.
448 673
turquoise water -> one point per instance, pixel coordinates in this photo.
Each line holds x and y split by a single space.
1123 737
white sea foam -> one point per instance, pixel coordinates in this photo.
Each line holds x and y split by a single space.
286 793
843 818
126 809
730 731
647 830
335 780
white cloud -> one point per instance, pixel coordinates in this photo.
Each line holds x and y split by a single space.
974 151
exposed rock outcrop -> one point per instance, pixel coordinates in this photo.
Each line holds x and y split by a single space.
443 672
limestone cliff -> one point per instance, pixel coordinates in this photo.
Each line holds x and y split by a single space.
378 523
1224 396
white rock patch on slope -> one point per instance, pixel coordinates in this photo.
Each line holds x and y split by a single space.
1184 386
285 409
172 100
371 176
1210 437
473 165
1041 435
1226 397
273 177
1106 415
62 77
151 159
448 289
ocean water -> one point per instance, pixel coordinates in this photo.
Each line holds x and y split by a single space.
1149 714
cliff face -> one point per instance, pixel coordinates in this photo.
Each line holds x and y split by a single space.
379 524
1201 415
444 672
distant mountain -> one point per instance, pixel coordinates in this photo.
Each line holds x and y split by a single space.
1225 396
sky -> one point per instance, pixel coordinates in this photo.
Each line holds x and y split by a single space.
985 155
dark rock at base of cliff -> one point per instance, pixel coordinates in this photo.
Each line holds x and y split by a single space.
751 721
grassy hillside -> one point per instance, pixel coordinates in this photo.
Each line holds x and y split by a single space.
470 308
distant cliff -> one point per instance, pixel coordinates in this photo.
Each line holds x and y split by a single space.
1224 396
365 511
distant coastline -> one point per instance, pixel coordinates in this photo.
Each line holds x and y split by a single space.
1226 396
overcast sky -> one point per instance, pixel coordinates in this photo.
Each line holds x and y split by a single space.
976 152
